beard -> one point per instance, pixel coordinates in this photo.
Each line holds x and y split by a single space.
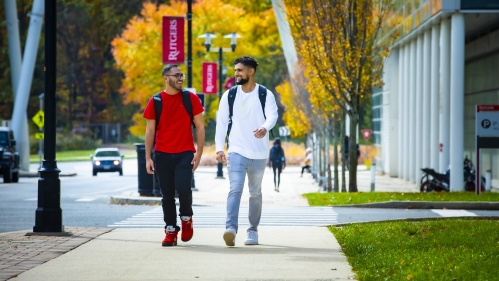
174 84
242 81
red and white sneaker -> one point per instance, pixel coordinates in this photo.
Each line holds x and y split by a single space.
171 238
187 229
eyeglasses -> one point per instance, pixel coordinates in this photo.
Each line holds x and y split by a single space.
178 75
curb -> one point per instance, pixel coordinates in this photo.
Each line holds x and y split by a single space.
488 206
24 174
417 219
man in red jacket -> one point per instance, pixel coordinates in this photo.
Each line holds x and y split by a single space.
175 157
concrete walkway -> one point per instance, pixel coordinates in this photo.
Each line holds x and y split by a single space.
284 253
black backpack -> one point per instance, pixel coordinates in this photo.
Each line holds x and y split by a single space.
276 155
186 100
262 96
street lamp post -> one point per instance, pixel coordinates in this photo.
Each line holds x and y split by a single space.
49 213
207 43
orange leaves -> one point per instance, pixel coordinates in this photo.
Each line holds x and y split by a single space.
138 49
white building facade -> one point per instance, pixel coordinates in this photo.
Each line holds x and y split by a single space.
445 61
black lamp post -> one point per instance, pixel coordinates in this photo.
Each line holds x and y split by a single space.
207 43
48 216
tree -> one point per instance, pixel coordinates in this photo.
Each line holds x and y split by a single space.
339 42
138 49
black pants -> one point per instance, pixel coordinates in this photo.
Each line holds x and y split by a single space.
306 167
278 167
174 172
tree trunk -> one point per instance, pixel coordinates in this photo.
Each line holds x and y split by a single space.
328 158
335 155
343 164
352 150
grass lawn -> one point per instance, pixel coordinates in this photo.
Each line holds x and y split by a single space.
79 155
450 249
331 199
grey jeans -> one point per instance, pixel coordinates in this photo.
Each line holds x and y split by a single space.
238 166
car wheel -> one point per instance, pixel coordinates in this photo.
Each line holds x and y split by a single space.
15 177
7 175
121 172
94 173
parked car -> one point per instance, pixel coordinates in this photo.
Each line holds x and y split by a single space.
107 160
9 157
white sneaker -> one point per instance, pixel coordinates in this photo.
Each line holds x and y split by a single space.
230 237
252 238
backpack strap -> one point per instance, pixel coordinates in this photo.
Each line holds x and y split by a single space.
186 100
231 98
262 95
158 106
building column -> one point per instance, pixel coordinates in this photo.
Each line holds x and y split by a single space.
390 104
444 132
419 109
401 144
412 112
425 162
457 102
407 99
435 99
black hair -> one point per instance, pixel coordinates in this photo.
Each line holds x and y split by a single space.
277 141
247 61
167 68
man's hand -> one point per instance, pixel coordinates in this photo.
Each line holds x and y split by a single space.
195 161
260 133
150 166
221 157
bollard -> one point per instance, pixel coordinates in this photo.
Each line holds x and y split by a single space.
488 178
373 175
145 187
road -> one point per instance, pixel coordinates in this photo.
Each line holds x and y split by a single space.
84 201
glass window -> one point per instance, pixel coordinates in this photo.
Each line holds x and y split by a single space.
4 139
110 153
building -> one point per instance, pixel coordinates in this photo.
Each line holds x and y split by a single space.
445 61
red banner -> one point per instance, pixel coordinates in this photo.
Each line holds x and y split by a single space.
173 40
230 83
209 78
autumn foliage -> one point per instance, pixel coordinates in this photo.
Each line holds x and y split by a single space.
338 41
138 50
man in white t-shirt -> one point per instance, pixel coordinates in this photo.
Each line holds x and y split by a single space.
247 146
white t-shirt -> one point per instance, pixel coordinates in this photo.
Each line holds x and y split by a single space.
247 117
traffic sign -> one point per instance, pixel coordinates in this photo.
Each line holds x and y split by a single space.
39 136
39 118
366 134
284 131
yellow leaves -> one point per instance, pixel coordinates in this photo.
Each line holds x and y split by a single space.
138 49
294 116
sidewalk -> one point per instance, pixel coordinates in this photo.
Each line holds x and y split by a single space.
284 253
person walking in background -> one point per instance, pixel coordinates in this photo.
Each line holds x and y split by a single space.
345 152
308 160
245 115
175 157
277 161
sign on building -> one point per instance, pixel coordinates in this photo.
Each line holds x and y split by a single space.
487 134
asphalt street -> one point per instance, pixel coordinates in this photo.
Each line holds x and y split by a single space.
85 202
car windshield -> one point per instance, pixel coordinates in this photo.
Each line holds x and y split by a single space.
4 138
107 153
